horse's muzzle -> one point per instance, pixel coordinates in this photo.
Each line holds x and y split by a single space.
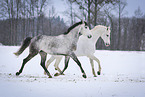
107 44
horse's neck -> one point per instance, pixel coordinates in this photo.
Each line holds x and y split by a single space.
96 34
73 34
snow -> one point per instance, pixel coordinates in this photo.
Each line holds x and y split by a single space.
123 75
1 44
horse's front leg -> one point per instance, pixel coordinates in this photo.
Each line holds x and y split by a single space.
74 57
92 64
97 60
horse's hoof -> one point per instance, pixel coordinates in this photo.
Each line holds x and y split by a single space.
95 76
44 73
56 74
50 76
17 73
98 73
84 76
62 73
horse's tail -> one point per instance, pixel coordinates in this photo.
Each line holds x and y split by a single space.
24 45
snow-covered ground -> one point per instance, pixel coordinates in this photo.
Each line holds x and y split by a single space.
123 75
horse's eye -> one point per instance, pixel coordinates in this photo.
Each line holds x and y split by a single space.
80 33
107 35
86 27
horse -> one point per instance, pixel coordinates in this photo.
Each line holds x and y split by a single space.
63 44
86 47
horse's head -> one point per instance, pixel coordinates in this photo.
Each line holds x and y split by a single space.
106 35
84 30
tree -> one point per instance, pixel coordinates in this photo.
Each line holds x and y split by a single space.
52 14
69 12
91 8
40 5
98 5
120 5
138 13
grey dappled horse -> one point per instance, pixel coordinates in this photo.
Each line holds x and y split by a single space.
64 44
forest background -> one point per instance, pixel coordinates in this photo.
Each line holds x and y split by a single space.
22 18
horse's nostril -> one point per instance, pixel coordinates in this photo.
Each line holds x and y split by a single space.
107 44
89 36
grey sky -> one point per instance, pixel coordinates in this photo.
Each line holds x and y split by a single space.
132 5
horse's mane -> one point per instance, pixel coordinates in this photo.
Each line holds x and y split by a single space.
74 25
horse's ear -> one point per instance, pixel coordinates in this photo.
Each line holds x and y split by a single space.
82 21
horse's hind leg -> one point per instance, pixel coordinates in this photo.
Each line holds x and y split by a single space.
58 59
30 56
49 62
92 64
43 59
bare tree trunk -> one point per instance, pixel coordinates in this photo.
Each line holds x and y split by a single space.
119 30
17 18
12 22
89 4
95 20
71 15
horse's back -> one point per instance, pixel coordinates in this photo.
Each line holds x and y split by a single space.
49 44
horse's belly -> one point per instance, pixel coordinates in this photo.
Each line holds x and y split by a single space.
84 51
56 51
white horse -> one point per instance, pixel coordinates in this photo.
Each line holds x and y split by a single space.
86 47
55 45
